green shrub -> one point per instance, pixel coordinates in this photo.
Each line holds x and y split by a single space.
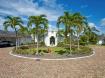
58 50
85 50
42 44
61 44
24 47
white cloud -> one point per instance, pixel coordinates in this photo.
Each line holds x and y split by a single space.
1 23
103 22
28 7
92 25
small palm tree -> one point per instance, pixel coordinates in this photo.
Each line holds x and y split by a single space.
90 32
39 22
14 23
80 22
23 31
68 23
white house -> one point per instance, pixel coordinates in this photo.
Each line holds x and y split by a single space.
50 38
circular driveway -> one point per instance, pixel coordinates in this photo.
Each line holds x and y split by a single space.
13 67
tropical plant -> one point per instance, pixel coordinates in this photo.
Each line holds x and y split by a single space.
79 22
23 30
64 20
39 22
60 35
67 20
90 32
14 23
43 31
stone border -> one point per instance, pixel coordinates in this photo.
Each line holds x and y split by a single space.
52 59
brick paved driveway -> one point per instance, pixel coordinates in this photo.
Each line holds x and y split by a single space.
13 67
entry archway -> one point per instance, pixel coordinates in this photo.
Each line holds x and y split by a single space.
52 40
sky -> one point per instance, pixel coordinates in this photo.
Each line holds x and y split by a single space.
92 9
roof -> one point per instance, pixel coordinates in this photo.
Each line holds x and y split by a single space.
7 34
102 37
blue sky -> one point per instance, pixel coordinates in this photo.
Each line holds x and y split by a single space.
92 9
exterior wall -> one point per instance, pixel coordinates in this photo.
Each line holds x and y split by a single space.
25 40
50 33
47 38
32 36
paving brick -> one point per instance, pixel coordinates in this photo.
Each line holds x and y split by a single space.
13 67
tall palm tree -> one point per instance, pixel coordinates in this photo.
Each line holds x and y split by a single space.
66 19
39 23
80 22
14 23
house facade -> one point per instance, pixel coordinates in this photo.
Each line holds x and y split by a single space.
51 38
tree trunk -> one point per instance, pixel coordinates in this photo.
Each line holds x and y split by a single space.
78 42
43 38
34 39
37 46
70 44
88 41
16 43
66 34
16 38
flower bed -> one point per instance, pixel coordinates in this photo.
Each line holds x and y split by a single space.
53 52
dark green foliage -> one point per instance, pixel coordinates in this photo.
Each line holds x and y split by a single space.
24 47
55 50
83 40
42 44
61 52
25 51
61 44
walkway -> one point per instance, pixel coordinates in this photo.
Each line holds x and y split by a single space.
13 67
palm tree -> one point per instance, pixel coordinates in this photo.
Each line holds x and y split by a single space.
39 23
44 30
90 32
80 22
14 23
60 34
23 31
66 19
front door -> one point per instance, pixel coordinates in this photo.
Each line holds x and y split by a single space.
52 40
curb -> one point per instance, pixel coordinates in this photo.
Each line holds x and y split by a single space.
52 59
